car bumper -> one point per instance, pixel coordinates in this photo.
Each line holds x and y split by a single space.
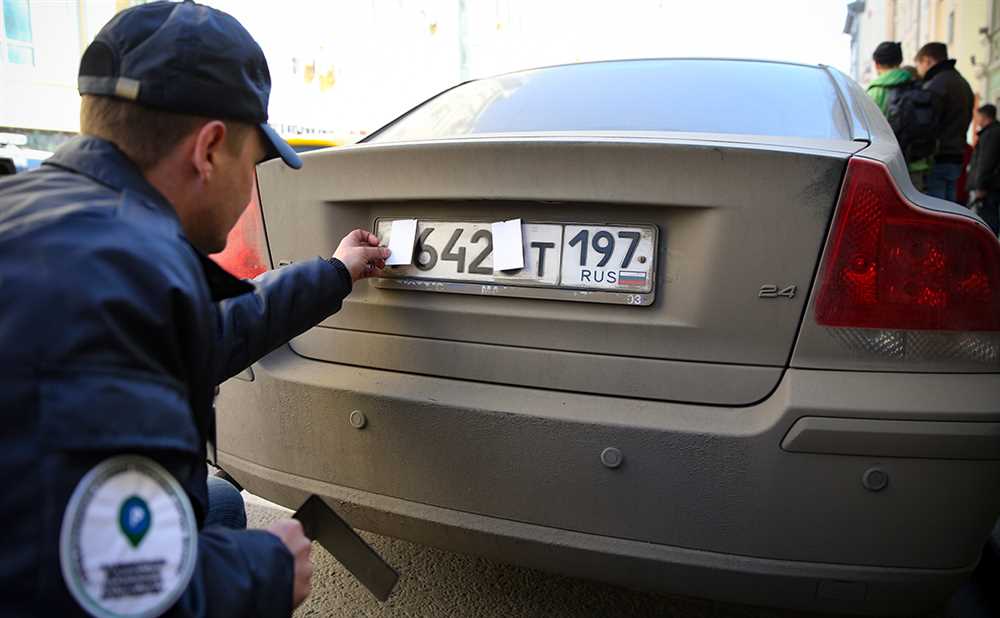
706 502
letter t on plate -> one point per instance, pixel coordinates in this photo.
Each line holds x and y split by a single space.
508 247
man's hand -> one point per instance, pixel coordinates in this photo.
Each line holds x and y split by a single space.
290 533
360 253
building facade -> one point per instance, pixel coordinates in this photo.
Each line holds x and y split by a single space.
992 59
868 26
338 69
40 47
966 26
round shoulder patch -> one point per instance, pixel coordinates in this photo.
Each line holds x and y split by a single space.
129 539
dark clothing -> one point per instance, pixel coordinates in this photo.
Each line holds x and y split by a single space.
984 168
225 505
884 90
962 185
954 101
979 596
114 331
990 211
880 88
942 181
984 174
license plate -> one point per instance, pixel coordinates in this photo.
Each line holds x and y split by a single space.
564 261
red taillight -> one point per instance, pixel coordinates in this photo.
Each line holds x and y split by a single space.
245 254
893 265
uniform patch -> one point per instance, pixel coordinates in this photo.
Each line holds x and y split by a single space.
129 539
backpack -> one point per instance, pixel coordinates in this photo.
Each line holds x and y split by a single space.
914 120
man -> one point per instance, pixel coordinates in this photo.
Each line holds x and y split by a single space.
984 168
886 90
888 57
115 328
953 101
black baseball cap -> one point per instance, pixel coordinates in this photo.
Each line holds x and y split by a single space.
186 58
889 54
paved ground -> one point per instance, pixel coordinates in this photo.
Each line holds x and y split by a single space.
437 583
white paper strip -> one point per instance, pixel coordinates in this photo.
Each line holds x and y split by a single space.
508 245
402 237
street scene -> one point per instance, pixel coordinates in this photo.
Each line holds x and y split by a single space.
500 308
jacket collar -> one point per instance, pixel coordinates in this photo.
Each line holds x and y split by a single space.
941 67
988 127
103 162
894 77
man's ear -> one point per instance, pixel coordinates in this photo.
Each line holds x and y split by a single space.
208 142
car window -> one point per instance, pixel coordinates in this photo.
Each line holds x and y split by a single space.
703 96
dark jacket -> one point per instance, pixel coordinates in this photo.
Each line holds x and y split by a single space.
114 332
954 102
984 168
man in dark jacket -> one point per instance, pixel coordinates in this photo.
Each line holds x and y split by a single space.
892 80
984 168
954 102
115 328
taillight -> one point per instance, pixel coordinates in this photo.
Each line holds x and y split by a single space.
895 266
245 254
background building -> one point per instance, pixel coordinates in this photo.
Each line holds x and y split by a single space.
992 58
964 25
344 67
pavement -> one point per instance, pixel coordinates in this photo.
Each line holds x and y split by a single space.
437 583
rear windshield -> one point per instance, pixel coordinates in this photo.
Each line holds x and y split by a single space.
701 96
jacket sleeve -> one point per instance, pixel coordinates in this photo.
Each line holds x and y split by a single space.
113 385
285 303
95 413
878 94
939 101
239 573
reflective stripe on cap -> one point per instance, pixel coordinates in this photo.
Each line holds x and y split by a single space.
120 87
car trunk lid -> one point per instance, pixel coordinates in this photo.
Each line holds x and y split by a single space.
739 226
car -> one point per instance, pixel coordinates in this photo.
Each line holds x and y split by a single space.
744 358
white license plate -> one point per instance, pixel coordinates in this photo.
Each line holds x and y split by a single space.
594 263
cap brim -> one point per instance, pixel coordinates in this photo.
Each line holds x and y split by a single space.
277 147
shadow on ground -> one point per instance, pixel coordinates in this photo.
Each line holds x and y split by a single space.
437 583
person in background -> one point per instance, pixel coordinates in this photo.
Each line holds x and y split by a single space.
984 168
953 102
891 81
888 57
962 184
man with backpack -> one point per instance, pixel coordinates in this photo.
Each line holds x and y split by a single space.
984 169
907 107
953 102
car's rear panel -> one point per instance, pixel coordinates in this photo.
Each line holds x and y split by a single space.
760 461
732 219
516 474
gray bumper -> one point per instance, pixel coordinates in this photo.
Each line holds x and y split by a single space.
706 502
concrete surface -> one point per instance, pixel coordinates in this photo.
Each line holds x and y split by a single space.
439 583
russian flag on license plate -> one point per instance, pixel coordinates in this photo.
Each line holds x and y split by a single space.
631 277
